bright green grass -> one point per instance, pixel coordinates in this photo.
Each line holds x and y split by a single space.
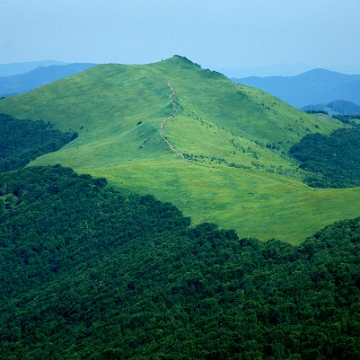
117 111
254 205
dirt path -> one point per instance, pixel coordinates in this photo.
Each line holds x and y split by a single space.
162 134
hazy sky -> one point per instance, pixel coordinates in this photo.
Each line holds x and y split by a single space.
213 33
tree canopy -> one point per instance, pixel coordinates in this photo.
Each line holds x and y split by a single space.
24 140
332 161
91 273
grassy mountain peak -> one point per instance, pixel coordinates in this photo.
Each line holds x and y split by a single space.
216 149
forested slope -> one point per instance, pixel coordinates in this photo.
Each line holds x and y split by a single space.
333 161
24 140
89 273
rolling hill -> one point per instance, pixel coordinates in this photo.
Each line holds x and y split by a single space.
312 87
215 149
42 75
335 107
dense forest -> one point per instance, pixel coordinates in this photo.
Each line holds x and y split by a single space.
332 161
24 140
90 273
348 119
316 112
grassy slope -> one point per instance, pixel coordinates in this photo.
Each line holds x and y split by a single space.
213 119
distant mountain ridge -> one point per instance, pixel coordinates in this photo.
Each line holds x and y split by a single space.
268 70
335 107
24 67
17 84
312 87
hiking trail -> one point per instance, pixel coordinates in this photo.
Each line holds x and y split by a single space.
171 116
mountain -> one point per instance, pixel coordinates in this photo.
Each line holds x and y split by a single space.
291 69
270 70
311 87
215 149
335 107
23 67
16 84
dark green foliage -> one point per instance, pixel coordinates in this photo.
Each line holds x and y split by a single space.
87 273
186 60
333 161
317 112
24 140
348 119
206 74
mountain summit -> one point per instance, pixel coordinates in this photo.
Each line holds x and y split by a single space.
216 149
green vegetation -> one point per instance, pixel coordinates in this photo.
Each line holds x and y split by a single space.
339 107
91 273
353 120
235 141
23 141
23 82
333 161
316 112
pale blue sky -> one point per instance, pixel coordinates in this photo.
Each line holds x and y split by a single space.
217 34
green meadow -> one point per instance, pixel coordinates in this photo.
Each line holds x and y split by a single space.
231 164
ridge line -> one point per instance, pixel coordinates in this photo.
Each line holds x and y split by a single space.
171 116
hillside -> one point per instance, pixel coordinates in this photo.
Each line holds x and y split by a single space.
21 83
90 273
335 107
312 87
24 140
333 161
215 149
